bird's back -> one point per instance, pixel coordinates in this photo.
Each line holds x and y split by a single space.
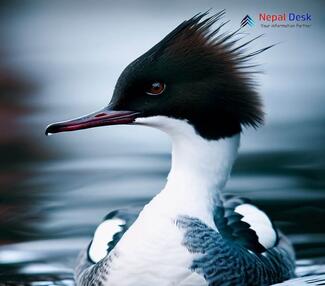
186 251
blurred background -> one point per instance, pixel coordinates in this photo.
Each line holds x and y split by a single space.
61 59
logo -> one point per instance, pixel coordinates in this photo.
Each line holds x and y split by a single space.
278 20
284 17
285 20
247 20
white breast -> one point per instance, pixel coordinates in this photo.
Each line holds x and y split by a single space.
151 253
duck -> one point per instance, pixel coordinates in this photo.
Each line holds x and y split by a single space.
195 85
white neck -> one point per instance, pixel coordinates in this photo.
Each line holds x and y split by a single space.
199 170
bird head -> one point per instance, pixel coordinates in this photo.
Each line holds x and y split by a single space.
195 74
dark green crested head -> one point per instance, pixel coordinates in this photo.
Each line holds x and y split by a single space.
203 77
196 74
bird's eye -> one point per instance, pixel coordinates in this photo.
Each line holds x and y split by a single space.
155 88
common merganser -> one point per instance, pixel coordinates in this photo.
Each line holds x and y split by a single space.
196 86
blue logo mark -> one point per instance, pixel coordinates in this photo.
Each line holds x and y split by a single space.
247 20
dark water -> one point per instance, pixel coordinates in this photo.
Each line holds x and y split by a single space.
61 60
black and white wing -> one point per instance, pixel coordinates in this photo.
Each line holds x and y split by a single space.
238 220
109 232
246 249
94 261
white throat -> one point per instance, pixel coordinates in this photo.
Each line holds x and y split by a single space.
199 169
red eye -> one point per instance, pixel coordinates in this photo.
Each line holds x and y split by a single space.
156 88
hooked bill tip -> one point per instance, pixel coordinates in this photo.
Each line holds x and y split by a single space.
49 130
